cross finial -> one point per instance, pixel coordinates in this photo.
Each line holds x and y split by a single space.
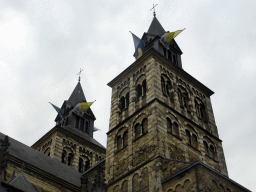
80 74
154 13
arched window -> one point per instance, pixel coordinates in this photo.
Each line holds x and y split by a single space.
135 183
63 158
96 158
122 101
124 186
188 137
70 158
116 189
211 149
183 97
163 85
138 91
80 169
127 99
49 154
119 143
144 185
194 142
87 165
176 129
168 88
144 89
144 125
125 138
206 150
137 130
200 109
169 125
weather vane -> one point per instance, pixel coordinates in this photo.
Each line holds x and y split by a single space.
154 9
80 74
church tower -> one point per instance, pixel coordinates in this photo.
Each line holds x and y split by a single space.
162 133
71 140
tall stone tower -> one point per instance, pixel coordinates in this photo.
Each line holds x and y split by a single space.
162 133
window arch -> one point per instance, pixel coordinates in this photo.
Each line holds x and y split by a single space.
163 85
80 169
87 165
70 159
176 129
169 125
194 142
47 151
119 142
63 158
137 130
144 87
211 152
124 186
135 183
200 109
188 137
166 85
139 91
125 139
144 126
183 97
127 99
206 150
122 102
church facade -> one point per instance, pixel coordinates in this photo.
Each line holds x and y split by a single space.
162 136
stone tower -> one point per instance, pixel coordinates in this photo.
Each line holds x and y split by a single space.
161 124
71 141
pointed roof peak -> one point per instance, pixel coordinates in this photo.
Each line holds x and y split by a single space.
77 95
156 28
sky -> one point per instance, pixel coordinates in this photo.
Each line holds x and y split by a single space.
43 45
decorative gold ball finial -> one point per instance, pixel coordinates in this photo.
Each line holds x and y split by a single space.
154 13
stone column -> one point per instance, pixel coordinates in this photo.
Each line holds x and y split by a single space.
56 150
75 162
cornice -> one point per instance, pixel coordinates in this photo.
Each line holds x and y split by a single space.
59 129
152 53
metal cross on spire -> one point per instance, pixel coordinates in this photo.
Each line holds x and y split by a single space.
80 74
154 9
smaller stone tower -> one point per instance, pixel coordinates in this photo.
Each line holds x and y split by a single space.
71 141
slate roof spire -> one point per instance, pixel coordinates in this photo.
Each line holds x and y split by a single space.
77 95
156 28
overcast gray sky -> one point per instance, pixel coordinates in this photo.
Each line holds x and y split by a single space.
43 44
